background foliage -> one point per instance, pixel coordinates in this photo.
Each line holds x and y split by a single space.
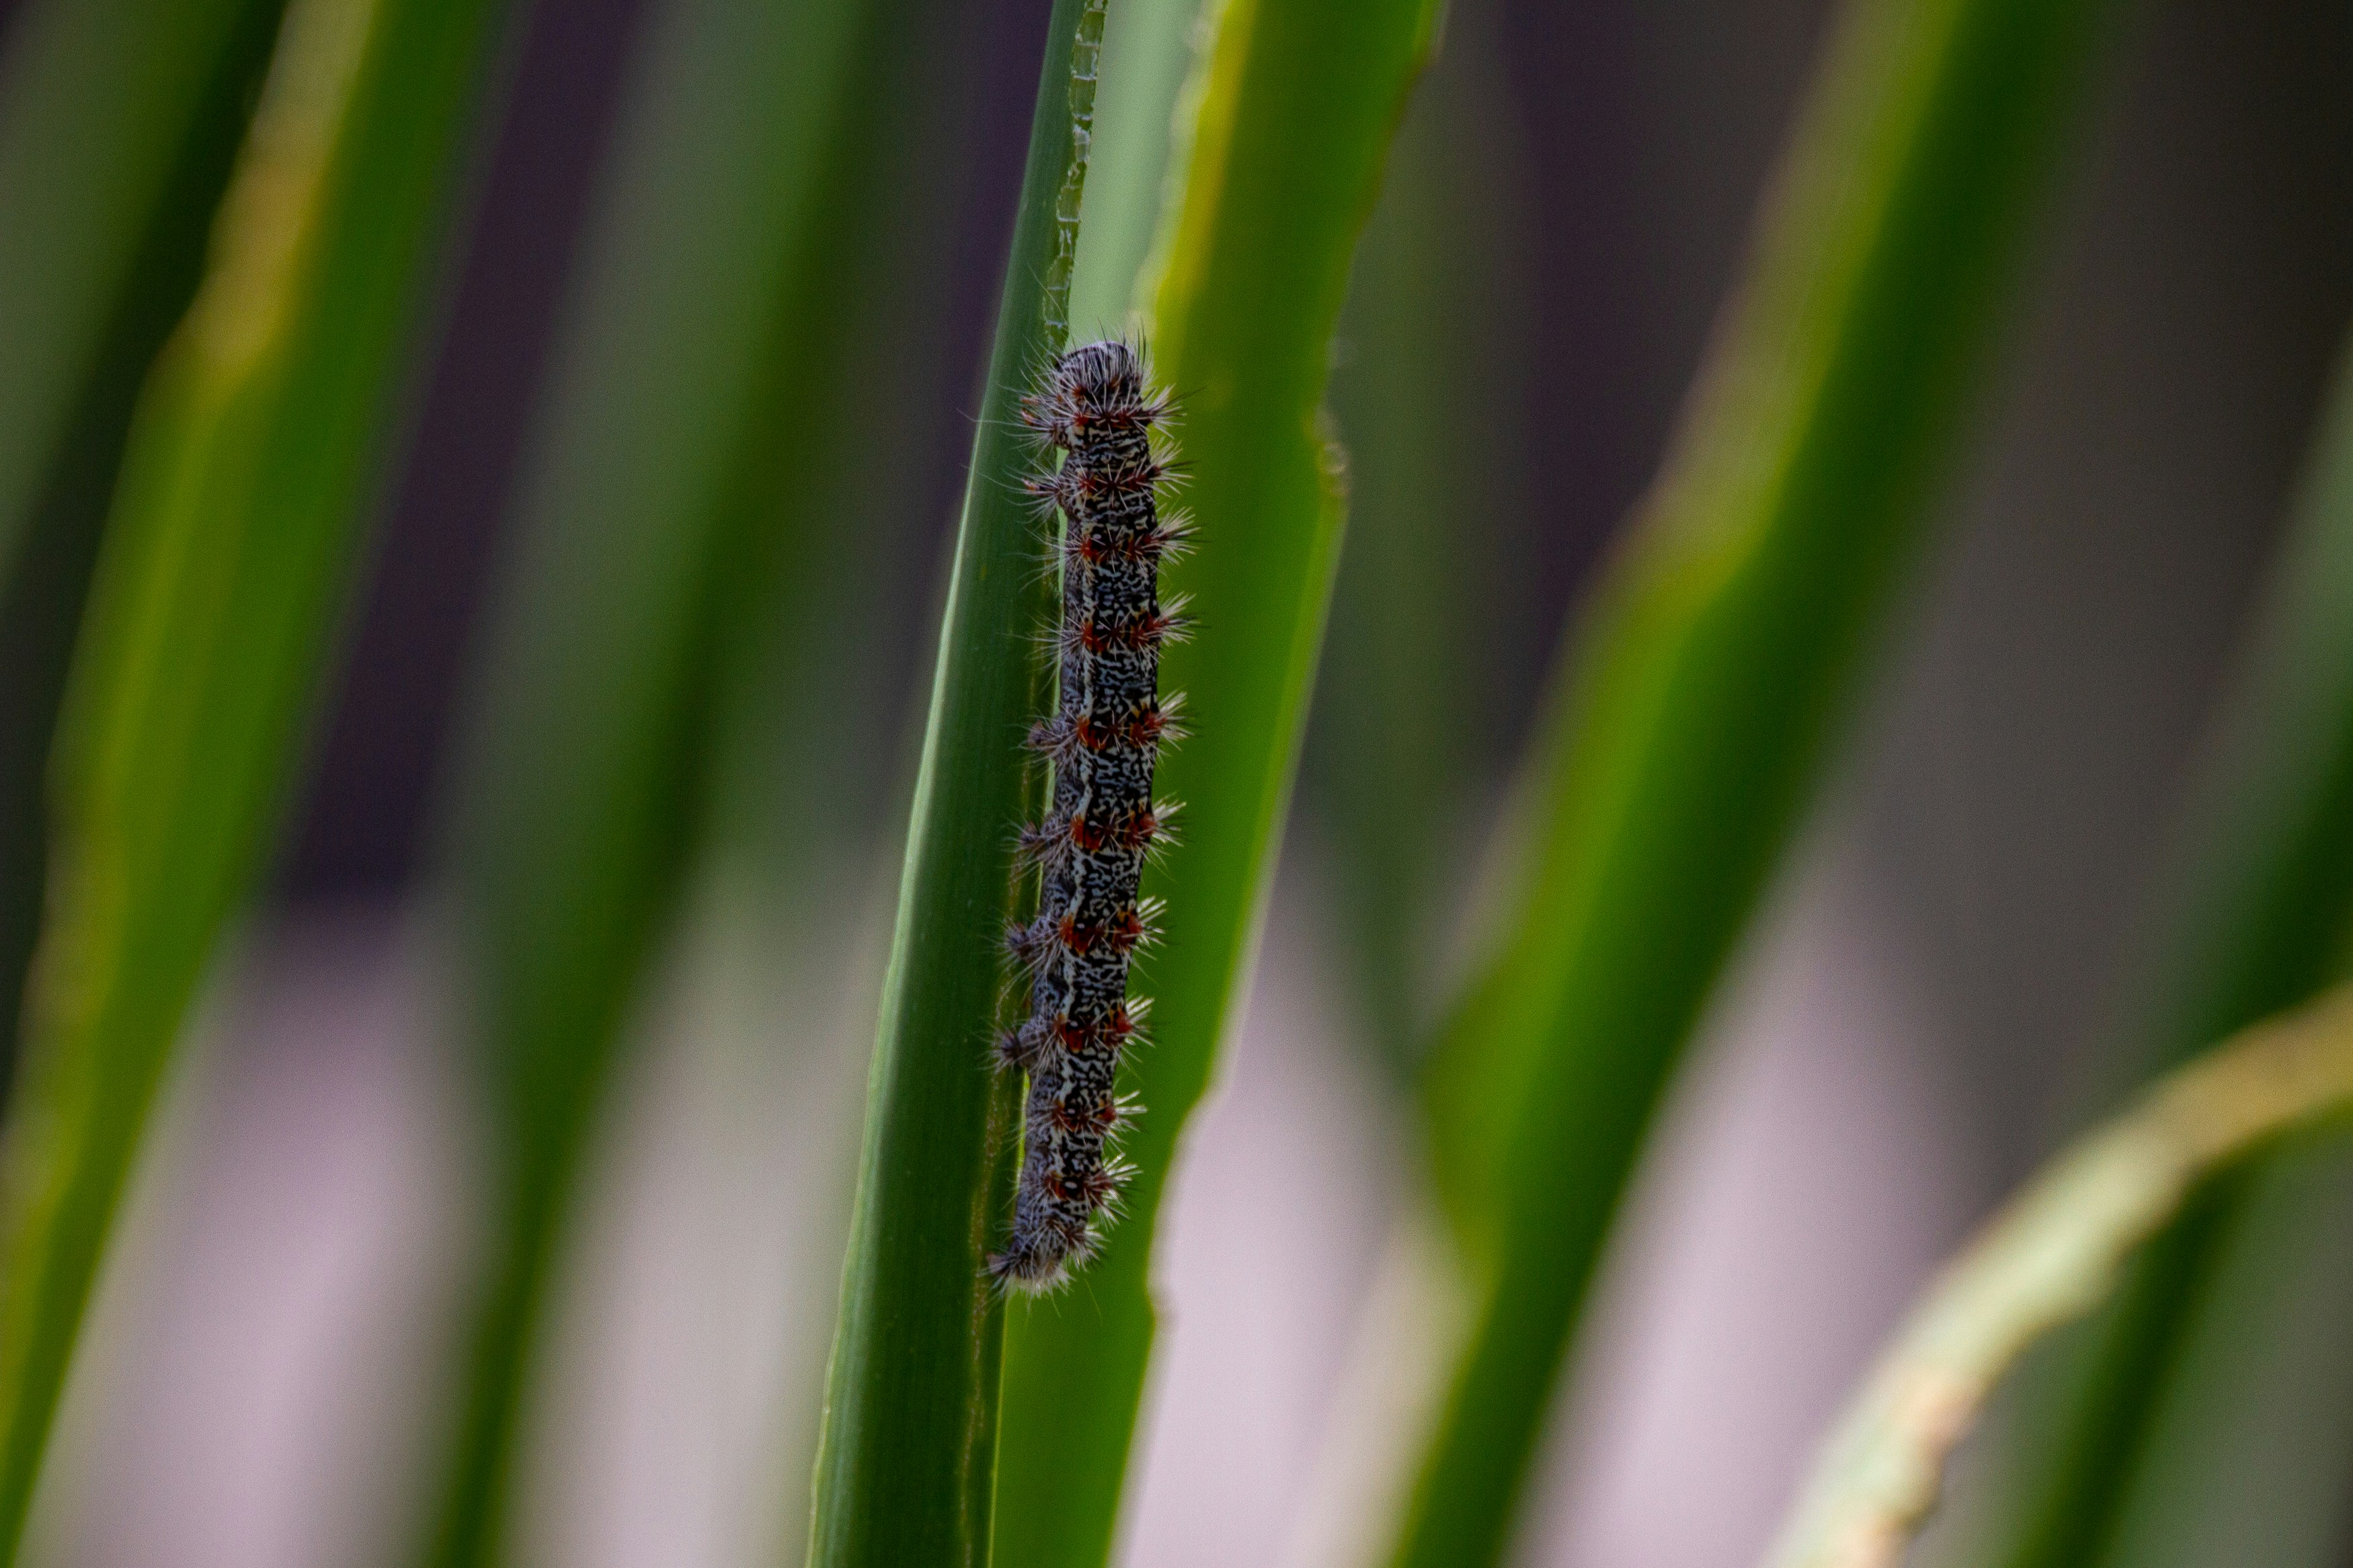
659 717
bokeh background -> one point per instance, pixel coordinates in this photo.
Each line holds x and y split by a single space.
1917 1020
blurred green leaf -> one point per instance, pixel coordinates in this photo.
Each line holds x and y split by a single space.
1429 393
1296 107
2249 1437
254 458
117 125
104 107
701 525
905 1469
1702 681
2256 918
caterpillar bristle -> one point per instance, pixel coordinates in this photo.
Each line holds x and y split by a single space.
1050 738
1173 540
1169 719
1104 1184
1028 945
1165 835
1017 1048
1176 624
1034 1273
1147 922
1041 845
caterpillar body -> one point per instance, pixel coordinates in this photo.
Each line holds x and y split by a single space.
1096 406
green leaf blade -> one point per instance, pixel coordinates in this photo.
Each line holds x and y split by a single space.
905 1469
250 468
575 798
2255 917
1703 686
1293 128
97 98
96 268
677 677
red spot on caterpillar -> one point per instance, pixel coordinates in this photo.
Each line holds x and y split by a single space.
1099 1116
1092 485
1057 739
1144 630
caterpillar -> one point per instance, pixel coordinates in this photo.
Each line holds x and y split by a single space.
1096 406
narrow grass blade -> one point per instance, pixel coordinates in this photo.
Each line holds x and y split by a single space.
2257 918
1296 114
117 124
905 1469
253 458
695 515
1702 682
2054 1254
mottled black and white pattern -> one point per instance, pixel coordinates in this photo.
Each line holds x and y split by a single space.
1102 740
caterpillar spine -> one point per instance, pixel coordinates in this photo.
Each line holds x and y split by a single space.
1095 405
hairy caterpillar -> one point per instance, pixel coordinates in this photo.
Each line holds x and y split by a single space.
1095 406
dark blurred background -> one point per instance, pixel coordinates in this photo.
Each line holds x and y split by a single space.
2058 660
1915 1022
